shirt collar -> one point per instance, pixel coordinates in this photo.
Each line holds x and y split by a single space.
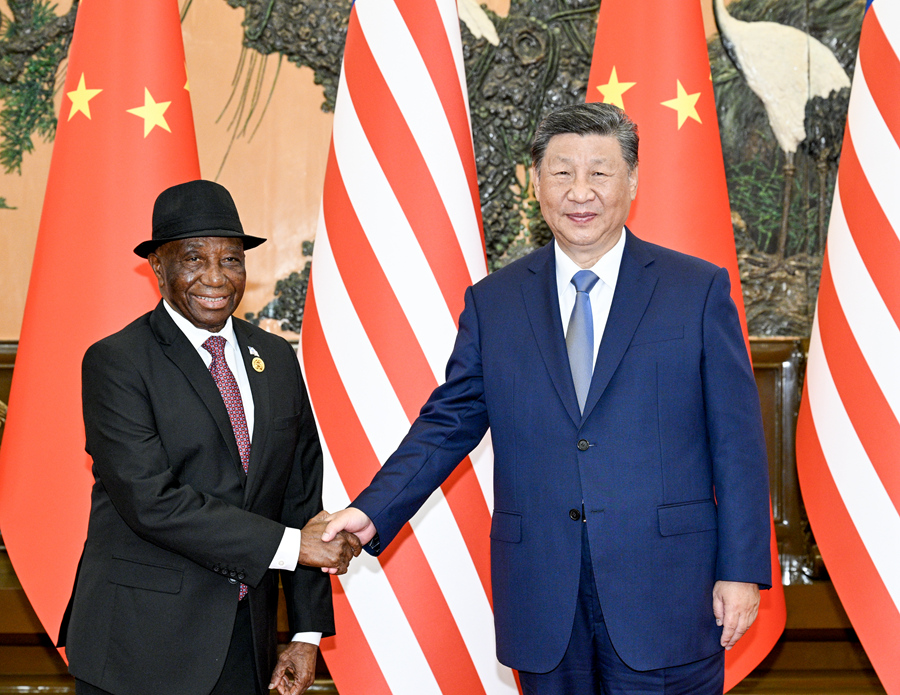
198 336
607 268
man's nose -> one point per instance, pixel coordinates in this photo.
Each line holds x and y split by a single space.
581 190
213 275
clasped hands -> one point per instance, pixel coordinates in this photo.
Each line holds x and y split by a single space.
330 541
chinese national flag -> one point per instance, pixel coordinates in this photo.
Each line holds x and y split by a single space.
125 133
650 58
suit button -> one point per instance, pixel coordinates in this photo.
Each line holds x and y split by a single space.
215 568
574 514
241 576
583 445
233 573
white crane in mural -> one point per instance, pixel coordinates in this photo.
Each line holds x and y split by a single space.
477 21
785 68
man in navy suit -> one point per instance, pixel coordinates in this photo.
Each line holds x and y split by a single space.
630 533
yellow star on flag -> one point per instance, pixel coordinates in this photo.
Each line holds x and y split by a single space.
613 90
152 112
187 79
81 98
685 104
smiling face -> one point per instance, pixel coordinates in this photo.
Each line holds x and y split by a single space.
585 190
203 279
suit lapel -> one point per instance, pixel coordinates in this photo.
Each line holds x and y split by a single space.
259 387
634 288
179 349
542 305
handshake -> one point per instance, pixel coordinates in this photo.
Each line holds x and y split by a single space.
330 541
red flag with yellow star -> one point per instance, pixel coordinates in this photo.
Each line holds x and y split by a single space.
125 133
650 59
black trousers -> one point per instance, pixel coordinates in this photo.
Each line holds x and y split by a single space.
238 673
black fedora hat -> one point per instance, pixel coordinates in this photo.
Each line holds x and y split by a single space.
195 209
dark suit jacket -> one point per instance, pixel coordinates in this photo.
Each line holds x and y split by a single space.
668 459
175 524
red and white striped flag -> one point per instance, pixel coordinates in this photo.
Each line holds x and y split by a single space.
398 241
848 434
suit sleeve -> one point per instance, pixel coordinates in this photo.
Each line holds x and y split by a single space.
307 590
133 467
451 423
737 443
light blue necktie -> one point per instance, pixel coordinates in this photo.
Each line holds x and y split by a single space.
580 335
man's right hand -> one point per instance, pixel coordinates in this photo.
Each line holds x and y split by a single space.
352 520
333 555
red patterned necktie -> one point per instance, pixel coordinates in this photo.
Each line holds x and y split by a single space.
231 394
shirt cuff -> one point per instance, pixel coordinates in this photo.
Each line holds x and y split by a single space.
308 637
288 553
286 559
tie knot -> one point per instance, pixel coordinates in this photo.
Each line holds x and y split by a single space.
584 280
215 345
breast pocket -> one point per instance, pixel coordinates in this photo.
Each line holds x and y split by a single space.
657 334
286 423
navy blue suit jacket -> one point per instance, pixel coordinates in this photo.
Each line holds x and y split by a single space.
668 459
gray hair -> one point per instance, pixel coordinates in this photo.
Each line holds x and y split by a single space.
587 119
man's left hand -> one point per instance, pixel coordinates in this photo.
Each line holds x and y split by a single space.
735 605
295 670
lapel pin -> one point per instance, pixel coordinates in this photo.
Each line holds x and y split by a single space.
258 364
252 351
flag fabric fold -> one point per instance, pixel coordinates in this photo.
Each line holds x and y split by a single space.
398 241
125 133
848 431
651 60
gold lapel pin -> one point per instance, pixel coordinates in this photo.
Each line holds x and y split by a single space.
258 364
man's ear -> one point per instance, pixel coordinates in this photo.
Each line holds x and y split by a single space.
156 266
633 181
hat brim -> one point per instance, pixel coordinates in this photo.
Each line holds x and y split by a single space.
145 248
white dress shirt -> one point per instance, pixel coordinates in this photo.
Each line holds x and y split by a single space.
289 549
601 294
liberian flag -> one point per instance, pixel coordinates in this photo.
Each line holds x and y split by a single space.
398 241
848 434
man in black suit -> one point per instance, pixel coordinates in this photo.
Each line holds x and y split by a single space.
206 463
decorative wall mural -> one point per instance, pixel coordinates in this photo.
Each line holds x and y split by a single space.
781 137
34 42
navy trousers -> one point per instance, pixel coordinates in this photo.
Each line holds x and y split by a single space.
591 666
